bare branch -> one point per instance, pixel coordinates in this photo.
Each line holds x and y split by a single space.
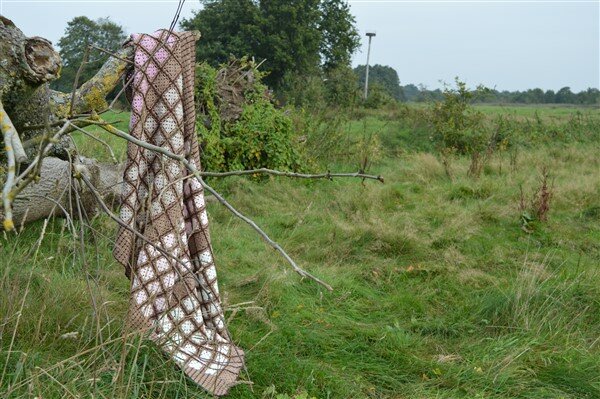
264 235
104 143
327 175
111 54
76 82
32 171
105 208
8 131
114 101
58 122
20 155
91 95
111 129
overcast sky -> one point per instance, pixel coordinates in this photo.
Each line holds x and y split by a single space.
507 44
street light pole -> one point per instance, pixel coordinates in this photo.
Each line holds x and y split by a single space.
370 35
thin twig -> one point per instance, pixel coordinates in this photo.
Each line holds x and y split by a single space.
76 82
98 139
111 129
57 122
114 101
20 154
74 121
17 145
30 174
272 243
111 54
70 222
118 220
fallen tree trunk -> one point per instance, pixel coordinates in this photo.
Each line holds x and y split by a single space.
53 194
27 65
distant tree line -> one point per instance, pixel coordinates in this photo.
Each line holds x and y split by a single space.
385 78
591 96
304 46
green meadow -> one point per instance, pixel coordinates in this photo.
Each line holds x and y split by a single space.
550 112
439 290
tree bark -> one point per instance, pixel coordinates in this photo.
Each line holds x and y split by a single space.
53 194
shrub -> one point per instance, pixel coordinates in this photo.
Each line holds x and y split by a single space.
537 208
337 88
341 87
457 126
238 125
377 97
325 134
303 91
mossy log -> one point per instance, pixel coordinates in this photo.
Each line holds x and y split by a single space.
27 65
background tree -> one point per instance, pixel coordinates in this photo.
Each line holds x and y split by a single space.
301 37
341 87
549 96
228 28
340 37
589 96
292 38
382 75
81 32
565 96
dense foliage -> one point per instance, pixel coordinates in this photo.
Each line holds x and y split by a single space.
340 38
246 130
81 32
336 88
303 37
457 127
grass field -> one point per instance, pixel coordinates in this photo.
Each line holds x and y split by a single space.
438 292
547 112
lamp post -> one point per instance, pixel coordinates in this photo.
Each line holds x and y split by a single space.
370 34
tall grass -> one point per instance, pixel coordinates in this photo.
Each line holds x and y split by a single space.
438 291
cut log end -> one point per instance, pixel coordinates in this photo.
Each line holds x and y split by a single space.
6 22
42 59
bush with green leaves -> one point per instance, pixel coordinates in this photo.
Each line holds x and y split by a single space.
377 97
457 126
238 124
341 87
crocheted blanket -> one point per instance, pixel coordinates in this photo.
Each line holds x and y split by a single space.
174 291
